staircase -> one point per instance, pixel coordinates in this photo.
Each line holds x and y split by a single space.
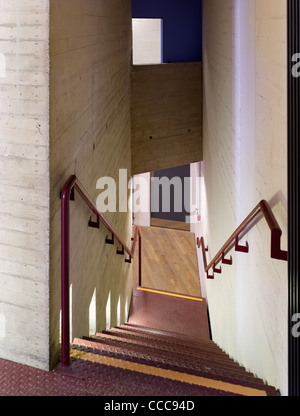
164 350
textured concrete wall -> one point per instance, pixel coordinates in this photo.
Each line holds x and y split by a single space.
90 45
166 115
24 182
245 147
85 105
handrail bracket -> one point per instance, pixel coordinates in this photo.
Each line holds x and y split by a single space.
227 261
94 224
120 251
216 269
111 240
210 276
240 248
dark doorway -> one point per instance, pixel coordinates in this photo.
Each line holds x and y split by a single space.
170 194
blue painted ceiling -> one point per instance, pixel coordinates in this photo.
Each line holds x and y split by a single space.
182 26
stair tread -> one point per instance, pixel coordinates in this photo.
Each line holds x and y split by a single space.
199 351
167 335
129 355
167 338
177 357
116 382
171 358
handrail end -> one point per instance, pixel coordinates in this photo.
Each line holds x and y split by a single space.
279 254
276 252
67 191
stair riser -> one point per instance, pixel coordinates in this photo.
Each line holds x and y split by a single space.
188 352
168 336
184 316
151 339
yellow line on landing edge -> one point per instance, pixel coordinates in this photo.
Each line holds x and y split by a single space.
168 374
169 294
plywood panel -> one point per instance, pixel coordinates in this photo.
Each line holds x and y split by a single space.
166 115
169 261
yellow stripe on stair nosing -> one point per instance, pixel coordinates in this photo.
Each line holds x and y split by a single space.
169 294
168 374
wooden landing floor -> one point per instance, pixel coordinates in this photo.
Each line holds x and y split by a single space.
169 261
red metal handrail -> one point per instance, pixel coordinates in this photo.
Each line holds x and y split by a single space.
71 185
233 241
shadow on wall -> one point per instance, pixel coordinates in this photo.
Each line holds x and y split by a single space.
96 303
99 303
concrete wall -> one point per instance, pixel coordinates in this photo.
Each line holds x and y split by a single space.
89 123
245 160
24 182
166 115
90 44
